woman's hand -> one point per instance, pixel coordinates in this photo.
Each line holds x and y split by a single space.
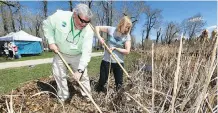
101 40
112 48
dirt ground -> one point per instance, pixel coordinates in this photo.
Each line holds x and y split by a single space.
33 96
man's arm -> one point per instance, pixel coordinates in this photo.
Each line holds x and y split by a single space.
86 49
49 31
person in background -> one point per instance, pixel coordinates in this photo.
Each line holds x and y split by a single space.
119 42
5 49
15 48
16 54
69 33
11 50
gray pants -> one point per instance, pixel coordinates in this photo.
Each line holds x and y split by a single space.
60 74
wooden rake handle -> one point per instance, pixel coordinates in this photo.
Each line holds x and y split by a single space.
90 97
112 54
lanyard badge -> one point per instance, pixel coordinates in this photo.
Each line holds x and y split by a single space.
73 44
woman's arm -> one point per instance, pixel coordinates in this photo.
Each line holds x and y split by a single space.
126 50
103 29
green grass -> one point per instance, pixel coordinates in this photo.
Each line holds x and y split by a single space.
13 78
94 66
29 57
32 57
131 58
94 50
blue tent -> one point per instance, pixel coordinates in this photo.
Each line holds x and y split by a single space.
26 43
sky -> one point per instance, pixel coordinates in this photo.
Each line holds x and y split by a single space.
175 11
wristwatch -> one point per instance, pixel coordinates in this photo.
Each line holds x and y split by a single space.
80 71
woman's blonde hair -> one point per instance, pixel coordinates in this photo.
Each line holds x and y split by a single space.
124 20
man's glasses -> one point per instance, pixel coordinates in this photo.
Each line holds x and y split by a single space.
73 41
83 21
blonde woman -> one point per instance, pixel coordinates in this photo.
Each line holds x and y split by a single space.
119 42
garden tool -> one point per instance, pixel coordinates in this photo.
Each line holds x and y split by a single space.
83 88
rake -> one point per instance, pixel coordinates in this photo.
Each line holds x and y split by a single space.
83 88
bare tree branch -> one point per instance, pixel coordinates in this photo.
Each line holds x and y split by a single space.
8 3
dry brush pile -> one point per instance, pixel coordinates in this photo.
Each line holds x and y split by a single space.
179 82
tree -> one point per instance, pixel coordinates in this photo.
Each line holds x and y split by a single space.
134 13
171 30
153 19
12 19
45 8
20 20
133 42
107 6
70 5
158 35
138 7
4 20
142 41
8 15
99 16
194 25
7 3
162 39
37 24
103 12
98 13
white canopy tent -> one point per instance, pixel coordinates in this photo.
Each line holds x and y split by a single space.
20 36
26 43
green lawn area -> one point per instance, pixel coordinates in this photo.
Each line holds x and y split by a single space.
12 78
29 57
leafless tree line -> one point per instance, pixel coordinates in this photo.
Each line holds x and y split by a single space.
15 17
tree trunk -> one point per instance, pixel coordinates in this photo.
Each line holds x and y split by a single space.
45 8
4 22
147 34
71 6
90 4
37 29
12 19
143 32
20 18
111 14
148 28
158 35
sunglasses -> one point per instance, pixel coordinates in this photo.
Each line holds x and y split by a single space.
83 21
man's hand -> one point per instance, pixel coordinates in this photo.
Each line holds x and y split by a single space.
53 47
77 76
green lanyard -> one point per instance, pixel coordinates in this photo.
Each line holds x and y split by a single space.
72 26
